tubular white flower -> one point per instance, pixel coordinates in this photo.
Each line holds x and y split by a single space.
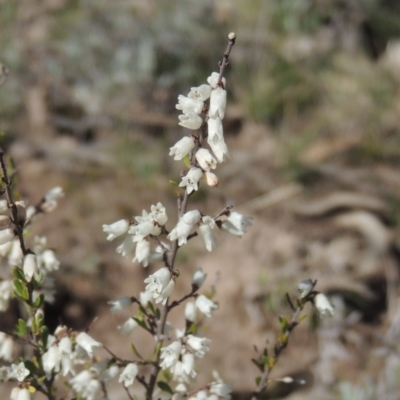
190 311
51 359
128 375
165 293
183 371
159 214
120 304
170 354
198 345
205 305
127 247
144 229
211 179
65 349
49 261
3 206
190 120
54 194
191 217
6 235
19 372
145 297
128 326
323 305
215 139
157 282
202 92
16 256
221 389
116 229
20 394
85 384
206 160
213 80
6 291
180 232
217 103
207 234
198 278
182 148
142 253
6 347
157 255
191 179
87 343
30 266
305 287
236 224
187 104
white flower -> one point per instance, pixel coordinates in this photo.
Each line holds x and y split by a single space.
205 305
116 229
158 282
198 345
186 104
49 260
236 224
16 256
207 234
211 179
323 305
215 139
120 304
305 287
159 214
191 217
206 160
202 92
190 311
221 389
190 120
182 148
165 293
198 278
180 232
87 343
127 247
183 371
86 385
6 291
20 394
144 229
30 266
191 179
51 359
128 326
65 350
142 253
3 206
170 354
145 297
157 255
128 375
6 347
217 103
213 80
6 235
19 372
54 194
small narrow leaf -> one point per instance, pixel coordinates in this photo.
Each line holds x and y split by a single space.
21 328
39 301
20 290
258 364
19 274
135 351
284 323
140 322
258 380
165 387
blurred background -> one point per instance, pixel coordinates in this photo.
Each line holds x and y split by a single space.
312 124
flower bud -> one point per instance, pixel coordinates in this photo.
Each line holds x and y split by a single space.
198 278
211 179
30 266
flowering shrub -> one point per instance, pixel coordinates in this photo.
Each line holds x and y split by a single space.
146 239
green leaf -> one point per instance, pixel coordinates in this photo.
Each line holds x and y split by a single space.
39 301
21 328
19 274
151 307
140 322
258 380
135 351
186 161
265 361
20 290
165 387
284 323
258 364
44 333
31 367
